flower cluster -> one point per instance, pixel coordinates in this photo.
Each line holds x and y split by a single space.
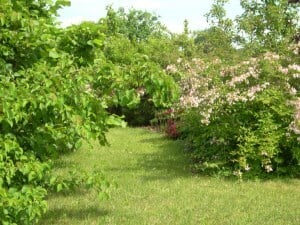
294 126
171 68
238 83
295 48
252 72
271 56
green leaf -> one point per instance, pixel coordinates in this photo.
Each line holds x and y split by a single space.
115 121
98 42
59 187
52 180
53 54
90 43
2 19
31 176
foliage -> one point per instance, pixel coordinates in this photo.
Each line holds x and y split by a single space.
268 24
217 16
124 76
81 41
139 82
239 114
46 109
61 86
136 25
218 39
214 42
24 38
243 118
141 87
166 120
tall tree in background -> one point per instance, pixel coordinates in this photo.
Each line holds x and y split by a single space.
268 24
218 39
137 25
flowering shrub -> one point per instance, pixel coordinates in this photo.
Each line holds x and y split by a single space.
167 120
242 119
172 130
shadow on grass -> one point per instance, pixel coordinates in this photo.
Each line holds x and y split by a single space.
77 191
58 214
171 161
155 158
168 162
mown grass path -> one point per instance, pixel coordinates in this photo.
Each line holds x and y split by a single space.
155 186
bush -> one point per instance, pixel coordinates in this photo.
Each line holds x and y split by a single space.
140 88
46 109
243 119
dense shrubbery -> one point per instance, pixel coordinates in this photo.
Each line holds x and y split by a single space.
242 118
121 58
140 83
46 109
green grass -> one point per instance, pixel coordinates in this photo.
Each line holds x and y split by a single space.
155 186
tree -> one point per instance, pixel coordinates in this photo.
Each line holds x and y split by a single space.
214 42
81 41
136 25
268 24
47 108
23 39
218 39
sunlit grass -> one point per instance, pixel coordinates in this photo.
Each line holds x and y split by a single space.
155 186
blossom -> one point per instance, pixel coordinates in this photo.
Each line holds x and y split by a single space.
268 168
283 70
140 91
295 48
205 121
294 125
171 68
179 60
237 173
235 96
293 91
294 67
271 56
216 61
252 72
247 167
254 89
296 75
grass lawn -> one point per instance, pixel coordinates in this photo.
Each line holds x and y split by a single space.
155 186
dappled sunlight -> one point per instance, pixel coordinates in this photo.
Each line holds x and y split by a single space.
168 161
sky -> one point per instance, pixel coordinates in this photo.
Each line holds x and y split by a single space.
172 12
